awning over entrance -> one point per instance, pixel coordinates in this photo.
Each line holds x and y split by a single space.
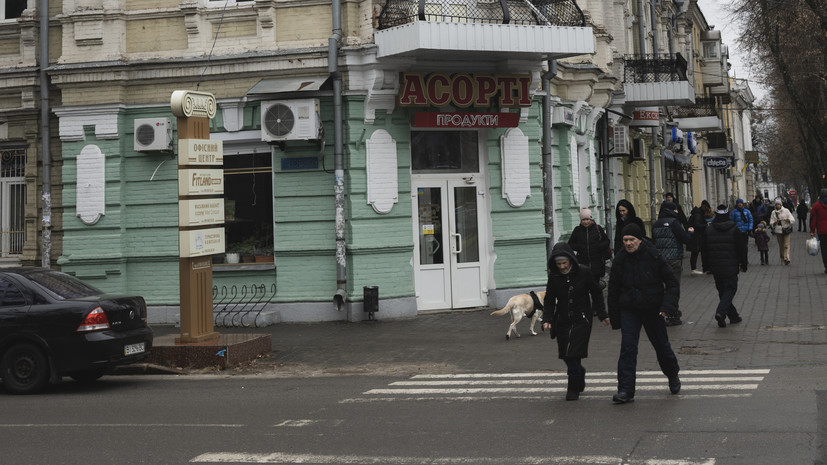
285 85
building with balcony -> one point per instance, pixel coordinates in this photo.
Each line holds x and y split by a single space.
419 121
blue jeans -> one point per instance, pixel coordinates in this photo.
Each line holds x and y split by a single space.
727 287
655 327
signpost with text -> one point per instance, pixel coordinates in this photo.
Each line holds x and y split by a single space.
200 212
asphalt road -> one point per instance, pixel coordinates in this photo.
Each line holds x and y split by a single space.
449 389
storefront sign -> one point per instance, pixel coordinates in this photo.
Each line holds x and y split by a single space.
466 120
646 117
200 152
200 212
201 182
717 162
201 242
464 90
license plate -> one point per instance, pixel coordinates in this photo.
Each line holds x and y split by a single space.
132 349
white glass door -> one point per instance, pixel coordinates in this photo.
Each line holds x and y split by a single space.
448 247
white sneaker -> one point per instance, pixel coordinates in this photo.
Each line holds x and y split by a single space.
697 272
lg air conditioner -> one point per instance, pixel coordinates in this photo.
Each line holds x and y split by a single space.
152 135
285 120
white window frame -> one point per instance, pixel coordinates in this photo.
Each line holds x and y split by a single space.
3 11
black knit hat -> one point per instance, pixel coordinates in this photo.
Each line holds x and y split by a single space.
633 230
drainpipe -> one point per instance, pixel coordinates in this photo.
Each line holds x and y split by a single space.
604 150
340 296
548 157
652 184
45 131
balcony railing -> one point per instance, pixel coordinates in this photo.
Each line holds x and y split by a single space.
654 68
523 12
704 106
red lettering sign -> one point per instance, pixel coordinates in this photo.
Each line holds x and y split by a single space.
464 90
466 120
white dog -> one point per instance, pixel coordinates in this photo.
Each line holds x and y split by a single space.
520 306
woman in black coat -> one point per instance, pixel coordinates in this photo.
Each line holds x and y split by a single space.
590 244
573 296
625 215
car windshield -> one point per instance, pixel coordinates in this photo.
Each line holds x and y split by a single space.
62 285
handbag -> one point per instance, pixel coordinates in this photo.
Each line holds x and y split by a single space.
812 246
787 229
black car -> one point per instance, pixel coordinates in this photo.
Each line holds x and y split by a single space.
54 325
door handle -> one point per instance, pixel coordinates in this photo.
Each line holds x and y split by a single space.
458 242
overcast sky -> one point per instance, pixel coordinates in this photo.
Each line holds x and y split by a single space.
714 11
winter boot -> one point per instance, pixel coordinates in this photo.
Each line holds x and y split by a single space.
572 392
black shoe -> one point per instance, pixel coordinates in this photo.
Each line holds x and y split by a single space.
736 319
721 319
572 395
673 321
674 385
572 389
622 397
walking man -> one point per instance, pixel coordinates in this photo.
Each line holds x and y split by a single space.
727 253
670 237
642 291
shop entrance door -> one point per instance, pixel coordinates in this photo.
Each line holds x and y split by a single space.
448 243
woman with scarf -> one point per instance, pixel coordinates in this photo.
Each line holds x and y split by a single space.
781 222
573 297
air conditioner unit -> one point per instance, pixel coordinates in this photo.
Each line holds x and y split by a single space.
638 150
290 120
152 135
620 138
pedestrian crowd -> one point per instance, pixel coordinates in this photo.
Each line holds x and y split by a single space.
644 275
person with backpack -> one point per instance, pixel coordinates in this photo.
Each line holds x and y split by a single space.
743 220
669 238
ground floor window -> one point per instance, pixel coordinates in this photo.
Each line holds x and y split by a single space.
248 205
12 201
444 152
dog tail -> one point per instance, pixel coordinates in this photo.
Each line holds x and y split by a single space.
503 310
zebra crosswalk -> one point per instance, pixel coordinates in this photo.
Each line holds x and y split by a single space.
543 385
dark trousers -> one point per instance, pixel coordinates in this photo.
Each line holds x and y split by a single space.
765 257
802 224
574 366
745 238
655 327
823 239
727 287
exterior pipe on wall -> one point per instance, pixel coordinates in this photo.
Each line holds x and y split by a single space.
45 131
340 297
548 157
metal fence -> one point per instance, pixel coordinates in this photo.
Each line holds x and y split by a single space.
704 106
536 12
654 68
236 306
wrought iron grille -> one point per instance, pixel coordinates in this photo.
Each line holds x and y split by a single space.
526 12
654 68
240 307
12 201
704 106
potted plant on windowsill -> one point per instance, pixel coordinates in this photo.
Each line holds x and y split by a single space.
264 254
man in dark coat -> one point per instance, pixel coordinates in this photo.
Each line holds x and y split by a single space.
573 297
727 254
670 237
802 211
642 291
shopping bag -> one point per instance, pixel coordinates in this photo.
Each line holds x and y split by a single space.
812 246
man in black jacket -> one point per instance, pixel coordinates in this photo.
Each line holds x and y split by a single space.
642 291
670 237
727 253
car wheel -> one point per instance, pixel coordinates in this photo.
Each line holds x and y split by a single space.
87 376
25 369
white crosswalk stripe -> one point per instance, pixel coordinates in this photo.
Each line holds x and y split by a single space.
539 385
